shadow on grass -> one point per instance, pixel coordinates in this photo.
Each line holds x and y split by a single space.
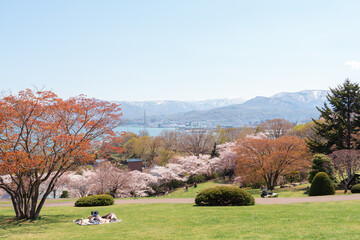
8 223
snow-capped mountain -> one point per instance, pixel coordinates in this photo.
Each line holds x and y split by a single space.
311 97
132 109
293 106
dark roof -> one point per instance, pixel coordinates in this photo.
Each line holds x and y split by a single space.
134 160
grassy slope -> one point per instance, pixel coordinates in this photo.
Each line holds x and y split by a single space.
181 193
333 220
297 191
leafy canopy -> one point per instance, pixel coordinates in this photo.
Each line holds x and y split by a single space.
41 137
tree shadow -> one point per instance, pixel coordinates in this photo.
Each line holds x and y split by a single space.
8 223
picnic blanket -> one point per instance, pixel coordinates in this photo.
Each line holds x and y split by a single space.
95 219
273 195
84 222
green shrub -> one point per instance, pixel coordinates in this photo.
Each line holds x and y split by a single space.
355 188
321 185
224 196
173 184
95 200
321 163
197 178
64 194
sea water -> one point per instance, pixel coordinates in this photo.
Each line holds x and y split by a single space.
153 132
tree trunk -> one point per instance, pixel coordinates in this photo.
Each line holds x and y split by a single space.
25 201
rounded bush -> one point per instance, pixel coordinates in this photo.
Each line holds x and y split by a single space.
224 196
64 194
321 185
94 200
196 178
355 188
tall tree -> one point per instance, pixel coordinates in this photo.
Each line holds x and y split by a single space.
199 141
271 158
42 137
347 164
276 128
341 120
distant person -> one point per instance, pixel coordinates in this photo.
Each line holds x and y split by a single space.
186 188
195 185
264 192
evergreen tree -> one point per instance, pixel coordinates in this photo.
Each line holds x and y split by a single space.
322 163
214 152
340 122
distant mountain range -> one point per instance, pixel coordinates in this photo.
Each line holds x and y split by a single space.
296 107
135 110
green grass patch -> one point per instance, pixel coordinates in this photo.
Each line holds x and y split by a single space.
297 191
192 192
332 220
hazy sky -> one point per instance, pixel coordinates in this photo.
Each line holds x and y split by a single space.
178 50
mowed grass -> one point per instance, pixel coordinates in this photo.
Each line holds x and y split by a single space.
296 191
8 201
192 192
332 220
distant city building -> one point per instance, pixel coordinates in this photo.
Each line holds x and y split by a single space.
134 164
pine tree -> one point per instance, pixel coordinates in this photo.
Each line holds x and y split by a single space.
214 152
340 122
322 163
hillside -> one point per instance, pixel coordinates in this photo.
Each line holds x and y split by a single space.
296 107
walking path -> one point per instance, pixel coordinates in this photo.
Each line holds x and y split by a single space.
192 200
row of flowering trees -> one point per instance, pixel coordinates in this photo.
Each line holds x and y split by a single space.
255 157
106 178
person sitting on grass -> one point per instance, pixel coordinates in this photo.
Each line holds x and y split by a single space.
264 192
95 218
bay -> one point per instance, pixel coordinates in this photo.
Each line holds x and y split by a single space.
153 132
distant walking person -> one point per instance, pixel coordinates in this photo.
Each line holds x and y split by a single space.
195 185
186 188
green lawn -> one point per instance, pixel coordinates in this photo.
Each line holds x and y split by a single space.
333 220
298 191
8 201
192 192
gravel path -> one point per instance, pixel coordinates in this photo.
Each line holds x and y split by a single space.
191 200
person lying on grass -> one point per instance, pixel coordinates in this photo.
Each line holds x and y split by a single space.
94 218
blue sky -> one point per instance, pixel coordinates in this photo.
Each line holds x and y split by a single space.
178 50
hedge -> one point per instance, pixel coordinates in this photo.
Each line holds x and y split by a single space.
94 200
224 196
355 188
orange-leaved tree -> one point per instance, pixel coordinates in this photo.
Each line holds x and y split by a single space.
271 158
41 137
